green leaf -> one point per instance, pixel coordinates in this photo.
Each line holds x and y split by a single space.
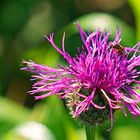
103 21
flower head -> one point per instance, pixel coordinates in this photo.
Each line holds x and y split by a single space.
96 82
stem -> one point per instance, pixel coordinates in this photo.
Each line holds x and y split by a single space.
90 132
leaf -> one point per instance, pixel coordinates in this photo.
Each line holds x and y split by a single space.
103 21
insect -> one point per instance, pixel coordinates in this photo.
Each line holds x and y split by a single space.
118 48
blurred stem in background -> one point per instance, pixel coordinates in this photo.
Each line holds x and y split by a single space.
135 4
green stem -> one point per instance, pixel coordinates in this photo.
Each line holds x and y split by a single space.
90 132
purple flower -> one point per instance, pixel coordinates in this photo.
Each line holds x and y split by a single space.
99 77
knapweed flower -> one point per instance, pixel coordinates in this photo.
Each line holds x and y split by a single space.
96 82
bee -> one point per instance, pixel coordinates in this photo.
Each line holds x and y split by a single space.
118 48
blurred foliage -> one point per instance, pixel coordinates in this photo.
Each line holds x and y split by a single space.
135 4
23 24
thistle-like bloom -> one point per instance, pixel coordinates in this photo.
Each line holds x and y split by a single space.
97 81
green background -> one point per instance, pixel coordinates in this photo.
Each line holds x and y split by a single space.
23 24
